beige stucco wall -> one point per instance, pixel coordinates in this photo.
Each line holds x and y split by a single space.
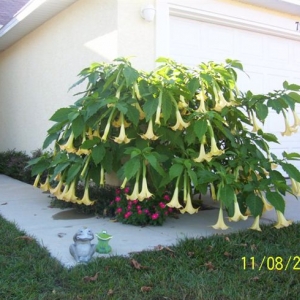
37 71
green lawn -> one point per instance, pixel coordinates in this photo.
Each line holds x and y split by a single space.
206 268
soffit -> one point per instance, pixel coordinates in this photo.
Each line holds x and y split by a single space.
31 16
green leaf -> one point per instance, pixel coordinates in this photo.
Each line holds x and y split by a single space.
88 144
153 161
61 114
162 60
270 137
167 107
295 96
291 170
73 172
49 139
133 114
193 85
206 176
150 107
294 87
193 177
78 126
59 168
122 107
130 74
226 194
276 200
255 204
175 171
261 111
291 156
98 153
200 128
39 167
131 167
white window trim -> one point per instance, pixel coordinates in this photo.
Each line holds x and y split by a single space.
165 10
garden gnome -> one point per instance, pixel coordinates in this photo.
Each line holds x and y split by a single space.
103 239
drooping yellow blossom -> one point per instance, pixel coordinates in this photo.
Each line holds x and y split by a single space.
46 185
220 223
86 197
90 133
180 124
288 129
213 191
267 205
149 135
135 192
69 147
255 124
175 200
70 196
122 138
221 102
214 151
158 109
202 155
237 213
37 179
102 176
144 193
295 185
182 104
61 195
296 119
123 185
201 97
121 119
282 221
255 225
138 107
86 165
57 190
107 127
189 206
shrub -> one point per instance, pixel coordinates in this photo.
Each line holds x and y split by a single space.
151 211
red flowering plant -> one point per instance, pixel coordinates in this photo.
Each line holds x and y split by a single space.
152 211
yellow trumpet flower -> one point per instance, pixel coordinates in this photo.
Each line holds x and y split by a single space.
237 213
46 186
288 129
189 206
175 201
107 127
214 151
86 197
255 124
282 221
180 124
123 185
138 107
118 123
296 119
267 205
149 135
61 195
295 185
70 196
122 138
102 176
37 179
69 145
221 102
57 190
202 155
158 109
255 225
220 223
213 191
135 191
201 97
144 193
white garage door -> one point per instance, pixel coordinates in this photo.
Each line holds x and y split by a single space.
268 60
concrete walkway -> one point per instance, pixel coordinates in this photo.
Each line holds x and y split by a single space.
54 228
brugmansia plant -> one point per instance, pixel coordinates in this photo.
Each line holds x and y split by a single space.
176 129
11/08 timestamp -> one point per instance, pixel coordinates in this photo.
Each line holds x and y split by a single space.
272 263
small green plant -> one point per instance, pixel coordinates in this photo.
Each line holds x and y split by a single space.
151 211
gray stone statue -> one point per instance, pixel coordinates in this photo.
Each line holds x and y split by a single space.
82 249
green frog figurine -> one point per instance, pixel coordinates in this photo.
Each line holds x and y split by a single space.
103 238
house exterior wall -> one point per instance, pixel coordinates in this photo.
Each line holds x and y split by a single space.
37 71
